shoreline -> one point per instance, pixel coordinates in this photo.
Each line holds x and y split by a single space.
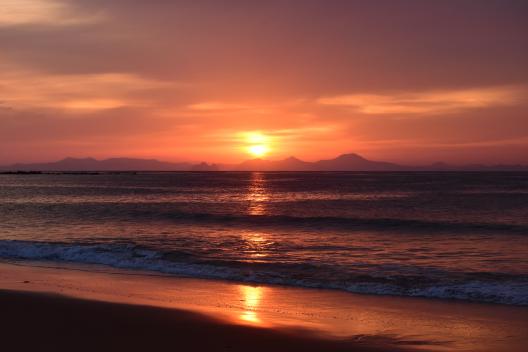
478 288
145 273
361 322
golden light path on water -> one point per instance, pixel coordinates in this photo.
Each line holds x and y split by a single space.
257 194
257 197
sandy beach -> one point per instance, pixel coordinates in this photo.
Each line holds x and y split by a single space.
90 307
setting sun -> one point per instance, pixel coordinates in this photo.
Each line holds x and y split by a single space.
258 150
257 143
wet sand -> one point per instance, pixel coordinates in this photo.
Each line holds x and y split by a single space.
74 308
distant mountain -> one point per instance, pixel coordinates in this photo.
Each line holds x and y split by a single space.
355 162
91 164
345 162
289 164
205 167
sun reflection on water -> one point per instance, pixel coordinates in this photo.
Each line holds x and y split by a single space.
258 194
256 246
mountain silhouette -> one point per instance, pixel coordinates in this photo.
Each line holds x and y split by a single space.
91 164
203 166
345 162
355 162
289 164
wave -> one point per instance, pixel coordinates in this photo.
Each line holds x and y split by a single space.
348 222
479 287
166 212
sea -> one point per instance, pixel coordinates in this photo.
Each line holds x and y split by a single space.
440 235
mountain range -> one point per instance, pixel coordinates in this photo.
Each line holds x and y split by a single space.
345 162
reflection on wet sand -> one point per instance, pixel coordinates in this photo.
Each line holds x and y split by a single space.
251 296
258 194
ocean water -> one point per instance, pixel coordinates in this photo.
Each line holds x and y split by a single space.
439 235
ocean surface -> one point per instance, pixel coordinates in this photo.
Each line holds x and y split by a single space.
440 235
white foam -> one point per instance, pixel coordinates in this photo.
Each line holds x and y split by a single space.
129 256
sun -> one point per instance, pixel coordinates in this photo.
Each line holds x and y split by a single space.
258 150
257 144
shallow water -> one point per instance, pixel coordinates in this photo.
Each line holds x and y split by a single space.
444 235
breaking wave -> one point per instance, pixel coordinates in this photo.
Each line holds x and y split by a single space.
479 287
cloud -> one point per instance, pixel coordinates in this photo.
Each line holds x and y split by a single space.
429 102
246 108
317 49
27 90
218 106
44 12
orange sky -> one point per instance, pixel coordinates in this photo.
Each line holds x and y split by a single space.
404 81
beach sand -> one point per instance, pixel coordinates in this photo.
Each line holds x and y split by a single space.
46 307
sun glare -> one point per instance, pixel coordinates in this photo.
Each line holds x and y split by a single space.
258 150
257 144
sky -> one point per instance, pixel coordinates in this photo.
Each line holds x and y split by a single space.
224 81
